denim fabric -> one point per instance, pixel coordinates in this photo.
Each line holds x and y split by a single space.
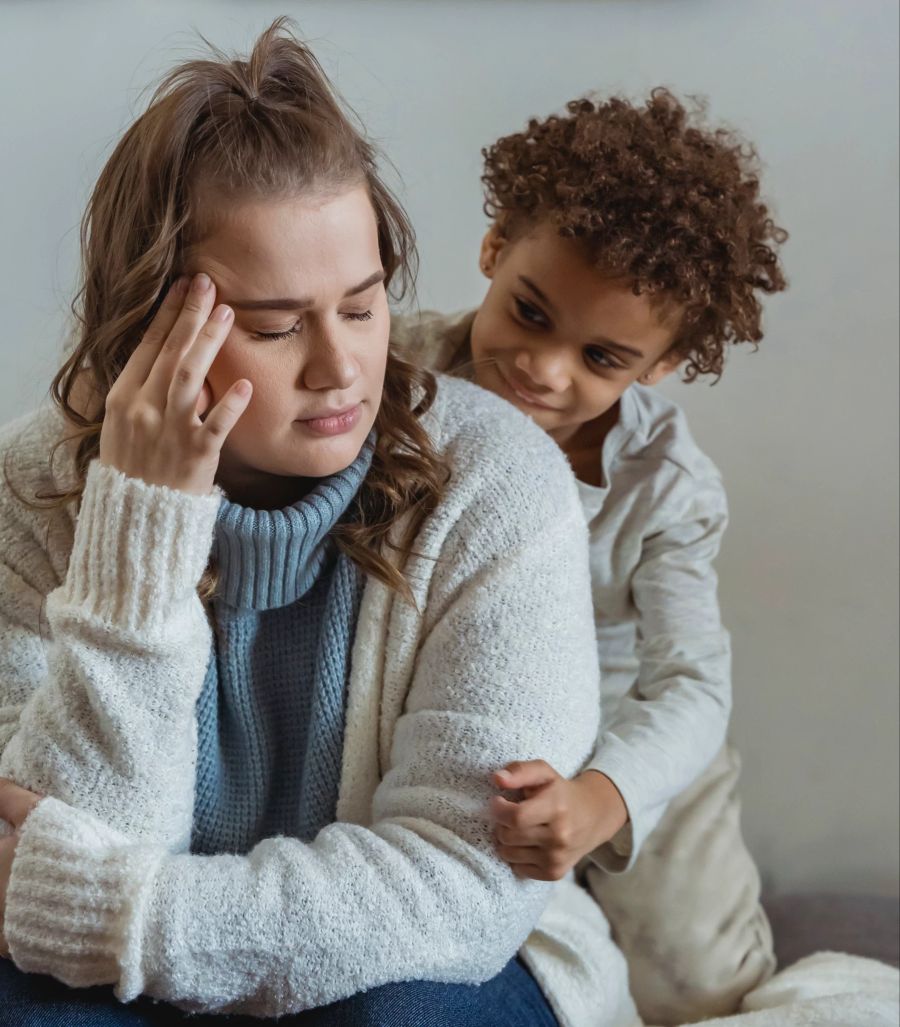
511 999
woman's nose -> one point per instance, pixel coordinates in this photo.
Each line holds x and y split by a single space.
330 364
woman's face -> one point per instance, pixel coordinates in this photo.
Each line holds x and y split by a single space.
311 327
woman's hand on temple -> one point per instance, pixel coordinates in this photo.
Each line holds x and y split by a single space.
15 805
557 822
152 428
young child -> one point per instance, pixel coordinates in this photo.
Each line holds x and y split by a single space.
627 242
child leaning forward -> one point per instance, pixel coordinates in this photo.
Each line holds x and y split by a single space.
627 242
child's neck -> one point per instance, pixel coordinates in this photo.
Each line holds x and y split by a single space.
584 448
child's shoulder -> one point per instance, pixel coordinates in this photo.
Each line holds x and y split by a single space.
662 436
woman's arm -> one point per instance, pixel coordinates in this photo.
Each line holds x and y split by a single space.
661 741
100 714
507 668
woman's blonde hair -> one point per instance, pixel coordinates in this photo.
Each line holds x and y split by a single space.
268 126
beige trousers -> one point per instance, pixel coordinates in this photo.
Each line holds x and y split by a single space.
687 915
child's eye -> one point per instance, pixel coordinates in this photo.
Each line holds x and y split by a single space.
600 358
529 313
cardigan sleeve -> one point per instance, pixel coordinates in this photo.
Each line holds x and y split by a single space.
98 712
506 669
663 738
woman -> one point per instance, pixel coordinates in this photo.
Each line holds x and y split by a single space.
305 601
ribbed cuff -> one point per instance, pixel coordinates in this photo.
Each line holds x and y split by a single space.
76 897
139 549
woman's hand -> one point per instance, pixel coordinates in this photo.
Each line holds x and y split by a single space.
15 805
152 428
557 822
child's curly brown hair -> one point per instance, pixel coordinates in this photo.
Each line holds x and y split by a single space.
656 197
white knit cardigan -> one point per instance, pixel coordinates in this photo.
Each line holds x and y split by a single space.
103 649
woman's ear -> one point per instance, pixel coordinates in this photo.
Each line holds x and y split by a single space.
491 246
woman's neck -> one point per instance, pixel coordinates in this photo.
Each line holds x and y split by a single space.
259 491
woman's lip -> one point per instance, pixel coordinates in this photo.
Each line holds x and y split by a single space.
527 397
336 423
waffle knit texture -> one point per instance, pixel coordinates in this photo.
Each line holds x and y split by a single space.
271 713
104 647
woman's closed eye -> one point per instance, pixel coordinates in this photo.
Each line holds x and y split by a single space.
353 315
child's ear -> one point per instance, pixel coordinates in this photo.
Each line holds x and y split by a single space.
663 367
491 246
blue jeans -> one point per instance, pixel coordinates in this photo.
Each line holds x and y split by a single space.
511 999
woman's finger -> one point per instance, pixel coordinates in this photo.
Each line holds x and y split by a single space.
192 317
16 802
226 413
139 364
190 375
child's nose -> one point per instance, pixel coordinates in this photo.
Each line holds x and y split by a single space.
546 368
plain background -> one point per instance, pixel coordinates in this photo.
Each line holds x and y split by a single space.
804 430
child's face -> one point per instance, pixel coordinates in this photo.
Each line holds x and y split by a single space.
558 339
311 326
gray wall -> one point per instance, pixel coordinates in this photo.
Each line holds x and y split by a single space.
804 431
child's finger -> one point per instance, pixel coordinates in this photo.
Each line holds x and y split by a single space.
528 774
522 815
514 854
540 836
141 361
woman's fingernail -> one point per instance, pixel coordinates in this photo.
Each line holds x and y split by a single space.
180 285
202 282
222 313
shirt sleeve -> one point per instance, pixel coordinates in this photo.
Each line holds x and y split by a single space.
96 703
663 737
420 894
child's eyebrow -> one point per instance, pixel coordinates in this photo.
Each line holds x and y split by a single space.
527 282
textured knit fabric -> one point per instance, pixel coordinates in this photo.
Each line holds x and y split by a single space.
655 528
270 716
104 645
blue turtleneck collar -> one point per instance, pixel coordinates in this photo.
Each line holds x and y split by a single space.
270 558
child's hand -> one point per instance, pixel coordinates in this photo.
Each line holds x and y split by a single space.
557 822
152 428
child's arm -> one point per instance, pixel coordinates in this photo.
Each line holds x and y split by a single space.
658 743
663 739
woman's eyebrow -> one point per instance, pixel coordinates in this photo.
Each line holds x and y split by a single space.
288 303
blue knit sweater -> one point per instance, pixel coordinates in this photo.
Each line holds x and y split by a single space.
270 716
